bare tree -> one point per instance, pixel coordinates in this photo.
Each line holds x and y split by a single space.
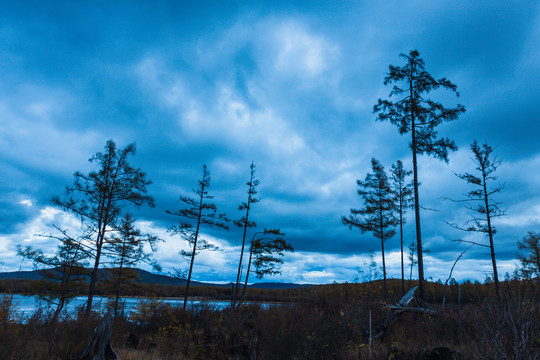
480 202
450 275
197 213
98 197
377 216
126 248
403 199
419 116
245 223
412 261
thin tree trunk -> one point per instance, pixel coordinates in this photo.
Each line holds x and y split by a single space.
194 247
490 233
63 291
93 279
102 224
58 309
416 197
384 268
401 241
450 276
117 289
247 274
103 221
382 246
235 293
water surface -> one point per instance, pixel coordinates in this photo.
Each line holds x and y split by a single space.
27 305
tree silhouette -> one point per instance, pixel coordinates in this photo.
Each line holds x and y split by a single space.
377 216
62 272
98 197
126 248
480 200
403 198
198 212
530 255
419 116
412 261
266 253
245 224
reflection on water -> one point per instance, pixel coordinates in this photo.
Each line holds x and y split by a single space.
26 305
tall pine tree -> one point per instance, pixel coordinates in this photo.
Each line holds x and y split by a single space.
377 216
98 197
199 212
416 114
402 190
126 248
245 223
481 202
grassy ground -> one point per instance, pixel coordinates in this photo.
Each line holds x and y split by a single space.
332 324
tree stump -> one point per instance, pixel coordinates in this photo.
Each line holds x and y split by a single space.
100 347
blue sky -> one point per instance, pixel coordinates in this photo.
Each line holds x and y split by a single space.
288 85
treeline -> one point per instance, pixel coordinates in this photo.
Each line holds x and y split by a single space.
466 292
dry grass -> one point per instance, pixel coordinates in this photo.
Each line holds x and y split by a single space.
334 324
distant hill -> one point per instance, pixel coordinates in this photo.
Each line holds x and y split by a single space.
147 277
277 285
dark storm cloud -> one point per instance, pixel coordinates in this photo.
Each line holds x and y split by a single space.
287 85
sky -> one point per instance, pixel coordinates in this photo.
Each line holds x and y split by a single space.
289 85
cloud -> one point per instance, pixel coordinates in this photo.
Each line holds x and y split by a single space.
301 53
34 232
289 87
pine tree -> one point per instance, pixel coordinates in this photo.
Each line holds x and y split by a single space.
126 248
198 212
266 254
98 197
245 223
419 116
480 202
377 216
63 272
530 255
403 198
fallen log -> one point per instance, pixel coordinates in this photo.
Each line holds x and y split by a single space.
395 310
100 347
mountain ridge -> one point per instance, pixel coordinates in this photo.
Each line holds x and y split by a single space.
146 277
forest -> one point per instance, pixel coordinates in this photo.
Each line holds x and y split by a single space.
384 318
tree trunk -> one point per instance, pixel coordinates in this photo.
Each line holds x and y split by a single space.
235 293
401 241
384 268
93 279
248 270
194 247
490 233
419 255
117 290
59 308
100 347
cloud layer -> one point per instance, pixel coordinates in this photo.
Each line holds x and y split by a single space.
289 86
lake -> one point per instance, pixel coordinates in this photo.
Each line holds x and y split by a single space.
26 305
